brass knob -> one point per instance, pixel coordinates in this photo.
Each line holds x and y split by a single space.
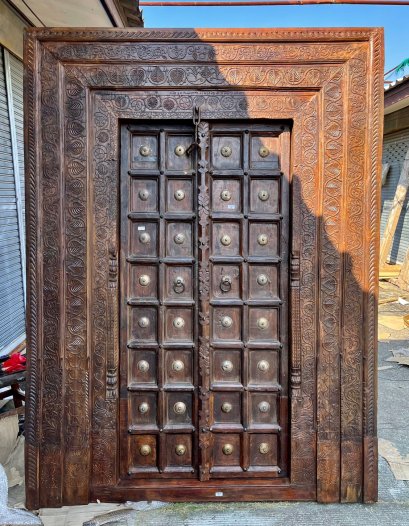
226 407
144 238
262 323
144 151
263 448
263 365
143 407
264 407
178 365
144 280
262 239
179 239
180 450
263 151
180 150
227 449
145 450
262 279
179 285
226 240
178 323
143 366
225 195
179 408
263 195
226 151
143 195
227 322
144 322
179 195
227 366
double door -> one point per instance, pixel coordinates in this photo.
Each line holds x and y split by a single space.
204 301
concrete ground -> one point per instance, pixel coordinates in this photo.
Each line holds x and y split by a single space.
393 424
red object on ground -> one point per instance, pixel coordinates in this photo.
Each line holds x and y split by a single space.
14 364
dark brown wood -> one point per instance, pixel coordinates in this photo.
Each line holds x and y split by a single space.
288 167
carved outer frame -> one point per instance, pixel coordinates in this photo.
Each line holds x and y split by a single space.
78 85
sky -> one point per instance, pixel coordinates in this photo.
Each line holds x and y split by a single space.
395 20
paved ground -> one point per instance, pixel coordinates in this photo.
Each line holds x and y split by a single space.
393 506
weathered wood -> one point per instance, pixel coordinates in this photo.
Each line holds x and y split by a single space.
385 171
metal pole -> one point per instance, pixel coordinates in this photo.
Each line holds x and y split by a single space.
246 3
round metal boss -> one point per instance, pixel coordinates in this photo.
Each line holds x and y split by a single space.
180 450
179 408
143 322
144 238
179 195
226 407
226 240
143 407
227 322
264 407
178 322
225 195
180 150
263 151
227 449
145 450
144 280
143 195
263 448
178 365
263 195
262 323
143 366
226 151
144 151
179 239
262 279
263 365
227 366
262 239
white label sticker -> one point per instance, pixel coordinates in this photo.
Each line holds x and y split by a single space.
232 207
141 228
219 494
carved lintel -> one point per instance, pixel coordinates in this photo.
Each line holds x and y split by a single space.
295 322
112 340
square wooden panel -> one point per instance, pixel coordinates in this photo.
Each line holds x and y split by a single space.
143 452
183 162
226 238
226 281
144 195
178 282
226 195
179 452
264 282
143 282
226 152
178 324
263 409
178 409
145 152
264 195
263 324
143 324
226 323
264 239
226 366
179 195
264 152
263 367
142 367
179 239
226 408
143 238
143 410
178 367
231 442
263 450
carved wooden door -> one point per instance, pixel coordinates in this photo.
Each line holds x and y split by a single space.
204 300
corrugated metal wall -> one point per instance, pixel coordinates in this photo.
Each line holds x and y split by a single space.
12 281
395 146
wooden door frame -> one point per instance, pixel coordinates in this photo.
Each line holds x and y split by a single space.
79 85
